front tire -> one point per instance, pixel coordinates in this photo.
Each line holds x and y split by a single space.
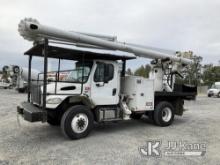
164 114
77 122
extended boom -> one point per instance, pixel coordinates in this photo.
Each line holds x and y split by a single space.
32 30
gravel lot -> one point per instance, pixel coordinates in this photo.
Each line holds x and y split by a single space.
114 143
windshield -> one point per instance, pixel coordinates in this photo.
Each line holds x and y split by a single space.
215 86
77 75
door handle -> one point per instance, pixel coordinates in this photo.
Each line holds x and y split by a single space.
100 84
114 90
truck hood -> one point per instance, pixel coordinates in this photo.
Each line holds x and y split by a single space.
213 90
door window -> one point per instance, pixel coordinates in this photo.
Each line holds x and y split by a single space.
104 72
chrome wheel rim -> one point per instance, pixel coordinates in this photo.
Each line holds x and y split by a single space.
166 114
80 123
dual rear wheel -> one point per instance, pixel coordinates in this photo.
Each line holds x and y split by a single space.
163 115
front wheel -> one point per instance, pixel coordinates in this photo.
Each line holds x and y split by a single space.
77 122
164 114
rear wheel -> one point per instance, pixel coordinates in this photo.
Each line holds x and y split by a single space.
77 122
164 114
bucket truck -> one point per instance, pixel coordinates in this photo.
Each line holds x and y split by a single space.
98 90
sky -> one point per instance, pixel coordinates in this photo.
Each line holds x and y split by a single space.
169 24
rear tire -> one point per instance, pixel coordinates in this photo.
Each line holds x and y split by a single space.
77 122
164 114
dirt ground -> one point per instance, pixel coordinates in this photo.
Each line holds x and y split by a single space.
113 143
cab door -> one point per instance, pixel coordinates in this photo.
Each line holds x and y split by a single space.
105 84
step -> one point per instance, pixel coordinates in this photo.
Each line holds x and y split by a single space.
30 112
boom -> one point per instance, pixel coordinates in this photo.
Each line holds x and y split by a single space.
32 30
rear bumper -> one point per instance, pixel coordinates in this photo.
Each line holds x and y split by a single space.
31 113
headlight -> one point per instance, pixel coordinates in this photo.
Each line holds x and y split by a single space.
54 101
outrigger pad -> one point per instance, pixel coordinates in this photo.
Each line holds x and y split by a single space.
30 112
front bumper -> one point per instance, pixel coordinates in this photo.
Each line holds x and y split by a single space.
212 94
31 113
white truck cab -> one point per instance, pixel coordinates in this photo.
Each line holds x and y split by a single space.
101 83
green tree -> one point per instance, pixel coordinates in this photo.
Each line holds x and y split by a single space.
192 74
143 71
211 74
129 71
